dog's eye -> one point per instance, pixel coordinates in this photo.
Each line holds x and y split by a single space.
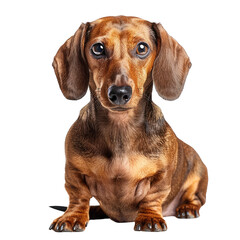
142 50
98 50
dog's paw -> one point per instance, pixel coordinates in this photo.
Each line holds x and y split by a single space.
150 224
70 222
187 211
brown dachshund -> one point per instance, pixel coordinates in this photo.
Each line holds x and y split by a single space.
121 150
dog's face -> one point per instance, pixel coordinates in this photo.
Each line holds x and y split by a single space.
119 57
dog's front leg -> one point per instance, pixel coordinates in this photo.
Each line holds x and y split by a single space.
77 215
150 216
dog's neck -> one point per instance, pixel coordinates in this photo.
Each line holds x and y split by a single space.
117 126
120 130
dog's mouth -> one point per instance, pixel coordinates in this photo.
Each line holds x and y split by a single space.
120 109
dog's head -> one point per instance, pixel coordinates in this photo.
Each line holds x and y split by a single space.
119 58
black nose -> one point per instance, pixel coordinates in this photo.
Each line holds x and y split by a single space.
119 95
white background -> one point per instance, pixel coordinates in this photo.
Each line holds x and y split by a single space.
35 116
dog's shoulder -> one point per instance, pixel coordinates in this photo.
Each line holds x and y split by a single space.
157 135
155 123
82 135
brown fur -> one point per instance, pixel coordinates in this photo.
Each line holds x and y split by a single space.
130 161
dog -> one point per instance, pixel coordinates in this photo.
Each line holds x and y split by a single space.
121 150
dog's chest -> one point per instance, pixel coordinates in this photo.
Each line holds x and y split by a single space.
132 167
119 168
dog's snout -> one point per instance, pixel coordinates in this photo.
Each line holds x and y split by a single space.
119 95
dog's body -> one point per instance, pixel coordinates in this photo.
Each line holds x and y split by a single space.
121 150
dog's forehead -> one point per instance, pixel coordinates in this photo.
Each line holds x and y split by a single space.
125 26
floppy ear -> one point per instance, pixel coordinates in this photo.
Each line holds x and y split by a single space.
171 65
70 66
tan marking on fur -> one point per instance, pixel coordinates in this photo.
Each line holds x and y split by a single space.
190 187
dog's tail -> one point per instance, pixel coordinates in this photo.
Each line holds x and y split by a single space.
95 212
